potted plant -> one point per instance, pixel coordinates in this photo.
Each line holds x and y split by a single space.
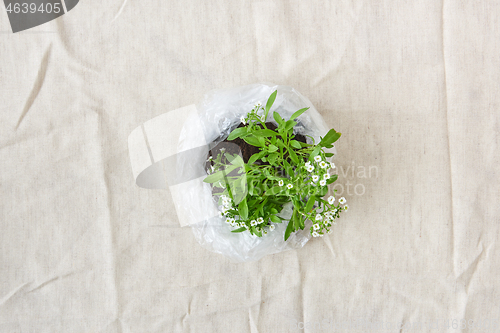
270 166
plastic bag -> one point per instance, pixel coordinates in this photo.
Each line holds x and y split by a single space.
181 154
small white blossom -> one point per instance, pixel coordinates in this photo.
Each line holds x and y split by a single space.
334 211
222 149
243 121
310 168
323 165
315 178
318 217
271 227
315 234
346 207
317 158
331 199
258 229
253 223
308 163
264 232
260 220
326 176
281 182
289 186
316 226
322 182
221 214
342 201
332 165
258 104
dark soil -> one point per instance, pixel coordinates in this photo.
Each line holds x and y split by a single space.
239 145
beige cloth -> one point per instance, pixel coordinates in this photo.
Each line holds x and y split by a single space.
412 85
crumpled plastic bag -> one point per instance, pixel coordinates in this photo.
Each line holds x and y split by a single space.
170 152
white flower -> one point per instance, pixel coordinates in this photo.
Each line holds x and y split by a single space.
317 158
264 232
308 163
322 182
263 118
310 168
221 214
289 186
271 227
258 104
253 223
315 178
318 217
334 211
242 119
346 207
258 229
222 149
342 201
260 220
331 199
326 176
315 234
234 224
316 226
323 165
281 182
332 165
210 158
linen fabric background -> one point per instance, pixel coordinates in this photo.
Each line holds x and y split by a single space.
412 85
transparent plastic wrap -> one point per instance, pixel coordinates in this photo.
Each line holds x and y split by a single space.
218 114
170 152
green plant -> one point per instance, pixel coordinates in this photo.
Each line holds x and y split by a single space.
284 170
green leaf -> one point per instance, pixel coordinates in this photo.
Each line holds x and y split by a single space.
272 148
281 144
243 209
289 124
314 153
310 203
295 144
329 138
252 140
278 118
328 154
238 133
332 179
272 158
275 219
274 190
293 156
264 133
289 229
298 113
236 160
215 177
239 229
255 157
270 102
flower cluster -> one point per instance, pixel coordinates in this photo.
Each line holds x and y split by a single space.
324 220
